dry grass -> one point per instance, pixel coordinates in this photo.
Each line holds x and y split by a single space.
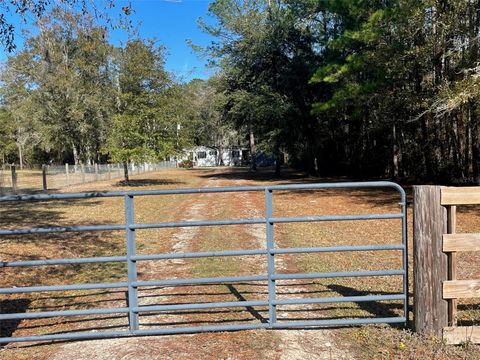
362 342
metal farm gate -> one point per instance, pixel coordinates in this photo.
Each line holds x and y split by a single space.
133 310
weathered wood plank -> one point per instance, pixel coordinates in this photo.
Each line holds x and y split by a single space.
461 334
461 242
455 289
430 262
452 263
460 195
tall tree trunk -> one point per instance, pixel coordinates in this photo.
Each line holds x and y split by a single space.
20 155
125 173
76 159
474 143
253 150
427 148
456 148
467 163
394 152
278 160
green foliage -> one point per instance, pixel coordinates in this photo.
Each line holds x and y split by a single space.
357 87
70 95
141 130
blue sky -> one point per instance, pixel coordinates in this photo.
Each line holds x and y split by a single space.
171 22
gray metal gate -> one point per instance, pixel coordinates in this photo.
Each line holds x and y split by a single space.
133 310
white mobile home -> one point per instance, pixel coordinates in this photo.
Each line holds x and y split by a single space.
202 156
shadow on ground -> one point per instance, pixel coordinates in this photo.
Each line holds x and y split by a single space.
8 327
148 182
376 308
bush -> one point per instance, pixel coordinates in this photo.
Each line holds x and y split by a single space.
186 164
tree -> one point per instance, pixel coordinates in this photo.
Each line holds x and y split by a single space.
66 70
20 124
37 9
267 60
355 87
205 122
141 129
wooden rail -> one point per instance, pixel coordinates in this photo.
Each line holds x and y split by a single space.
460 195
436 243
461 242
452 243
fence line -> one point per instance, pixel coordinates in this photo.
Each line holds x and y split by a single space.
13 180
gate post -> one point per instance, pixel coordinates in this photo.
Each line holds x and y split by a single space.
429 261
131 264
44 177
67 174
14 178
272 308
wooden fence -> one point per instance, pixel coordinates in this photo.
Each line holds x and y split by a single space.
436 288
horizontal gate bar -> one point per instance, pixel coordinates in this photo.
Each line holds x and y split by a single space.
156 308
197 329
89 195
337 274
338 185
198 254
197 223
334 218
340 299
265 303
263 220
339 322
82 335
199 281
29 289
104 259
89 260
45 314
170 282
338 248
62 229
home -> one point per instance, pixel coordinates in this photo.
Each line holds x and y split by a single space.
203 156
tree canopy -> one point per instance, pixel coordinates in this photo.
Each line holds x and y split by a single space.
365 88
368 88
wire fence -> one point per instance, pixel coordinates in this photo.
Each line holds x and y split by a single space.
34 179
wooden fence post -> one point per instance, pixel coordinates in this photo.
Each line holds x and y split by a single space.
82 169
67 174
96 171
44 177
14 178
429 261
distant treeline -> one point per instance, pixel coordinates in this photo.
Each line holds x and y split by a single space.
71 96
370 88
357 87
